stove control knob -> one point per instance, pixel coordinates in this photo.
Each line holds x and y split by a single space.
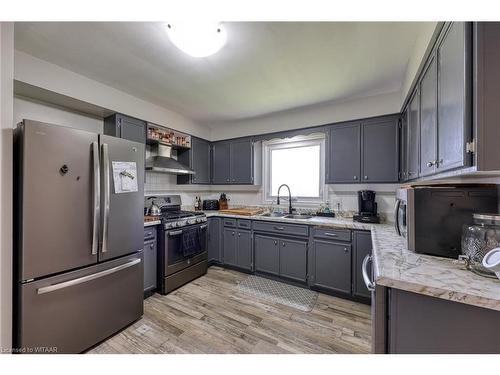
203 219
172 225
168 226
181 223
198 219
191 221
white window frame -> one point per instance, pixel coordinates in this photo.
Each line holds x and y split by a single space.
297 141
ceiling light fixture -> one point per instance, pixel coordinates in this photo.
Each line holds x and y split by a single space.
198 39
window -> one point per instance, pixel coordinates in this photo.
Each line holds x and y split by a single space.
297 162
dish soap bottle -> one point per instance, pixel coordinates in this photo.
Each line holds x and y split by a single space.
196 206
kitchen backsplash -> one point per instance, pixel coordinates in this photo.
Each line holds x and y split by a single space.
339 196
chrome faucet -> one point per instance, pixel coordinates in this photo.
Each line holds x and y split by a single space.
289 198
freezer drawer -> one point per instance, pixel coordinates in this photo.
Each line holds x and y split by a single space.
76 310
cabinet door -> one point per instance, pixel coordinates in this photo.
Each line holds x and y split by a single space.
244 250
454 123
149 265
380 150
230 247
241 161
267 258
332 266
403 146
344 148
428 123
214 239
413 141
220 163
362 248
293 255
132 129
200 150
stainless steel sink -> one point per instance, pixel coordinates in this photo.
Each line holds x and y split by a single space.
297 216
273 214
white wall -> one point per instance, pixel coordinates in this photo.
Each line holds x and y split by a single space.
318 114
6 109
28 109
51 77
416 57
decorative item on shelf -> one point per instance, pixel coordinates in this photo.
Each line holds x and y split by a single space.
168 137
477 240
325 211
223 202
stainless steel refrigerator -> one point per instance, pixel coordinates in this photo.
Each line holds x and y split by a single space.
78 237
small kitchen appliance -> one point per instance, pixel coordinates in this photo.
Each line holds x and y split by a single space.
210 204
153 209
431 217
367 207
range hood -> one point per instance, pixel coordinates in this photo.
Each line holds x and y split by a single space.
161 160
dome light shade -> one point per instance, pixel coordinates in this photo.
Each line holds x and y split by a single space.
198 39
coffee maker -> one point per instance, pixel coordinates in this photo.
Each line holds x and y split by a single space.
367 207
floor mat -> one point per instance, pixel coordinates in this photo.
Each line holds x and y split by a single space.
289 295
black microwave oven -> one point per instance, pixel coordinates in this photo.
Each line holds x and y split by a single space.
431 218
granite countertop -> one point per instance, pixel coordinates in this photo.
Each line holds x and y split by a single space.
397 267
150 221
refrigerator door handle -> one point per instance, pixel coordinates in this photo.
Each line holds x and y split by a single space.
97 198
105 167
84 279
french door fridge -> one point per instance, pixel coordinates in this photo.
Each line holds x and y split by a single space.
78 237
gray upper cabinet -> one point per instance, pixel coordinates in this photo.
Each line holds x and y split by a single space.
293 259
221 163
332 266
362 248
344 161
267 254
403 147
198 158
413 140
428 119
214 239
125 127
241 161
380 150
454 128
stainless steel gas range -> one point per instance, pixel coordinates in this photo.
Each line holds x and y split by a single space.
182 247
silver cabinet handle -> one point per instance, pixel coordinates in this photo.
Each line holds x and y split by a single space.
203 226
239 234
370 285
107 188
175 233
330 234
345 250
275 242
355 177
279 228
283 244
84 279
97 198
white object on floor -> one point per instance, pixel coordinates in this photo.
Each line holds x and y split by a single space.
274 291
491 261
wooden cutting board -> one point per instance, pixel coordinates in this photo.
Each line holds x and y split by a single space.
242 211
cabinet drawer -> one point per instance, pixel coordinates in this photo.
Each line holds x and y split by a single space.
333 234
279 227
230 222
150 233
244 224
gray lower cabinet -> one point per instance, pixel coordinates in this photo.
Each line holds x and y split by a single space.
237 248
344 153
428 119
332 266
229 245
214 239
379 145
362 247
267 254
150 257
293 259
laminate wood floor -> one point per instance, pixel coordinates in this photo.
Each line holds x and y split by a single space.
209 315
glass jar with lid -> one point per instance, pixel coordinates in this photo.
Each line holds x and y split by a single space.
479 238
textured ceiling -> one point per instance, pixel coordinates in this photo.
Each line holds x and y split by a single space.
264 67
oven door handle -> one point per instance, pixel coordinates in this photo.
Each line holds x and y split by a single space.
396 217
204 226
175 233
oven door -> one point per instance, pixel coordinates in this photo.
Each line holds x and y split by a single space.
175 260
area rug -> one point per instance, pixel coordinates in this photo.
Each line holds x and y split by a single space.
274 291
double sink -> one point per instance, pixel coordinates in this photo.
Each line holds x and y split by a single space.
287 216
